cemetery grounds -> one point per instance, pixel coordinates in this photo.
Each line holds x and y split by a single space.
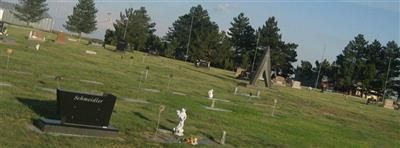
303 118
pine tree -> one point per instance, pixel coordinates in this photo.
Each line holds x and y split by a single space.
392 55
243 40
282 54
135 27
83 18
31 11
351 64
203 35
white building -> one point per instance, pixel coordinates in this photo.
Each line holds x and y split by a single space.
6 15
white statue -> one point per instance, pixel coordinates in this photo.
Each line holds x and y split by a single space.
211 94
182 117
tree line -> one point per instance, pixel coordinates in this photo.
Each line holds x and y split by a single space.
194 36
362 65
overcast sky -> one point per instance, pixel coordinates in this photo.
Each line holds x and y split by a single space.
311 24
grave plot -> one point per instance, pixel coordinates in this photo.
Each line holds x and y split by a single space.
92 82
145 83
176 135
213 100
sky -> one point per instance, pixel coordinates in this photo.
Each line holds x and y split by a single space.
314 25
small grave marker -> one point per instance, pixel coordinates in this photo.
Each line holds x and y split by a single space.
146 73
223 137
273 109
236 90
60 38
161 109
9 52
169 81
140 79
131 61
90 52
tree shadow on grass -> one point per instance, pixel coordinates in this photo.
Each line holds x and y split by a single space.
213 75
140 115
43 108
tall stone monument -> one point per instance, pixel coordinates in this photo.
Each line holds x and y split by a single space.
263 68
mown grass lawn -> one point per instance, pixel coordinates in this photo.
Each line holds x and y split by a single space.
303 118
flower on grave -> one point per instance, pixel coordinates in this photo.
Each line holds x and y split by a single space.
191 140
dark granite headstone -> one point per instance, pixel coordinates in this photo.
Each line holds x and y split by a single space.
121 45
86 109
81 114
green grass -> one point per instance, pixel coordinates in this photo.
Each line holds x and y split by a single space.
303 118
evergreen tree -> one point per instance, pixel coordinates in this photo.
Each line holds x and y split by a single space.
282 54
223 55
31 11
136 28
243 40
83 18
392 55
203 35
351 63
171 48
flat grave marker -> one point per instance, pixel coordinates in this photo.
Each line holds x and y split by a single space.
135 100
179 93
5 84
92 82
152 90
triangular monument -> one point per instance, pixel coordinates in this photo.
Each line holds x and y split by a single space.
264 68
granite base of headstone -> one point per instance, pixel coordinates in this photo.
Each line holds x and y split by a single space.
81 114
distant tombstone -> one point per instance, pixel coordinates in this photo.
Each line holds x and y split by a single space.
203 63
60 38
37 36
279 80
263 69
236 90
81 113
121 45
9 52
389 103
274 107
90 52
296 84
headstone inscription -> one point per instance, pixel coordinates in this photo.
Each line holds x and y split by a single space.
82 114
86 109
264 68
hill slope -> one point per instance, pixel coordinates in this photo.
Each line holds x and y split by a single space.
303 118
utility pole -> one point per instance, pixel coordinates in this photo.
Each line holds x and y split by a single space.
190 34
255 52
126 27
320 66
387 76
